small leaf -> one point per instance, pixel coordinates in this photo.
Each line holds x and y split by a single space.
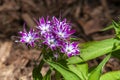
108 28
114 75
117 28
80 69
68 75
111 26
96 73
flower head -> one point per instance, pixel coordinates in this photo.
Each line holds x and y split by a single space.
51 41
62 29
70 48
44 26
28 37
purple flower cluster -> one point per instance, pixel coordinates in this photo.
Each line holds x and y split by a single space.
54 33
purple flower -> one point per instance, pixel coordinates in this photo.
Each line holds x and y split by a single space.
28 37
61 28
51 41
44 26
70 48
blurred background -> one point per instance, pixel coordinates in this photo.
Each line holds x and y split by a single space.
88 18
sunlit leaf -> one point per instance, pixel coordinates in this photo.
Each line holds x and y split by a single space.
80 69
114 75
67 74
96 73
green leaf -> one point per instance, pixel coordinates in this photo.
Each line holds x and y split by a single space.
80 69
68 75
114 75
83 67
114 25
117 28
94 49
96 73
108 28
47 76
36 71
97 49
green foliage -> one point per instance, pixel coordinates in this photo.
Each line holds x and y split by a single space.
116 54
111 26
117 33
114 75
96 73
117 29
36 74
108 28
57 75
36 71
80 69
67 74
